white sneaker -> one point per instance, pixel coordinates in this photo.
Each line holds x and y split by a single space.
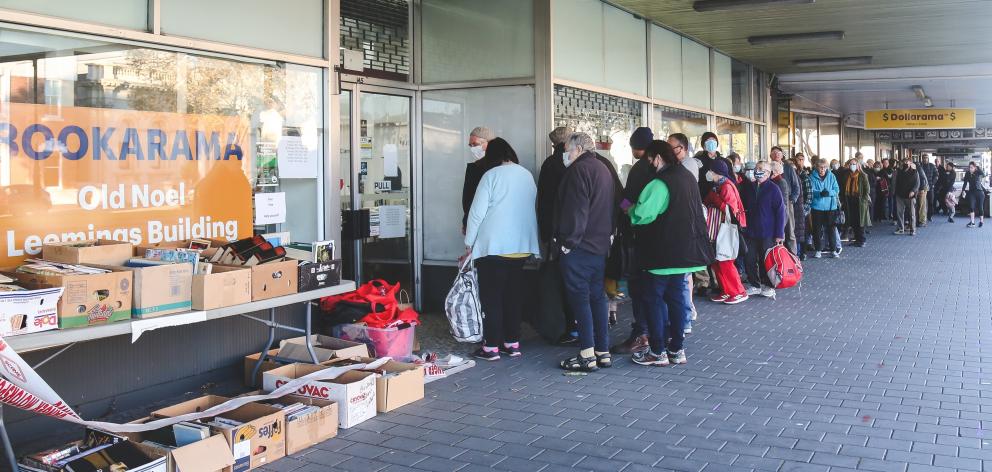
840 249
836 254
753 290
817 254
768 292
695 315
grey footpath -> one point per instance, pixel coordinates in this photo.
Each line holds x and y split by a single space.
876 364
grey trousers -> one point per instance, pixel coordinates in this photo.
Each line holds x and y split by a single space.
903 205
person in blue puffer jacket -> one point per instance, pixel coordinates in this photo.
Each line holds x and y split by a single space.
825 200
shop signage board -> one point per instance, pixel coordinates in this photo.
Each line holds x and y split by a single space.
76 173
921 118
936 135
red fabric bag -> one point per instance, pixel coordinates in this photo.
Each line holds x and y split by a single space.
783 267
381 298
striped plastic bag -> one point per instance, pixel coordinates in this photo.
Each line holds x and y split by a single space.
462 305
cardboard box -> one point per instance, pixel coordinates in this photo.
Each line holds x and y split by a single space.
274 279
29 311
251 360
139 250
325 347
257 442
317 275
87 300
103 252
138 457
160 290
209 455
354 391
311 429
224 286
403 384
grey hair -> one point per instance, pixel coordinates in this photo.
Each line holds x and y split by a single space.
580 141
761 165
776 167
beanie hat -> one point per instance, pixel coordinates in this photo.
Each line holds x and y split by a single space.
559 135
482 132
720 167
641 138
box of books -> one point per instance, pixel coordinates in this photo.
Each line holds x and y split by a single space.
254 431
187 446
354 391
309 421
272 274
223 286
109 456
397 384
91 296
160 287
318 275
27 311
98 251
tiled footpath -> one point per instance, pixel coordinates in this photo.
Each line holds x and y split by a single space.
875 364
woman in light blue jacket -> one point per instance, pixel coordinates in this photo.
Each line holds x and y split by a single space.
825 200
501 234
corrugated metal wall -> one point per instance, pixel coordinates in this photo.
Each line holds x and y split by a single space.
103 376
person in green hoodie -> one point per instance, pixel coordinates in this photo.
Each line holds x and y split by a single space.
670 241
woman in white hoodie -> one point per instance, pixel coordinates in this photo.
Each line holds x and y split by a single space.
501 234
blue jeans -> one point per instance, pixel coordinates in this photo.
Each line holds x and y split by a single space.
635 286
583 273
665 297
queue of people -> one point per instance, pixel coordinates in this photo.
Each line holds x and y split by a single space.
679 221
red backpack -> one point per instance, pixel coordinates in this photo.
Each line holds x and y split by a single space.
783 267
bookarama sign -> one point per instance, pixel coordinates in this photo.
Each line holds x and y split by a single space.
75 173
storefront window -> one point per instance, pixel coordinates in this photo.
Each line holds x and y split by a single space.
449 116
695 74
666 64
380 30
760 96
668 121
608 119
741 83
757 143
866 141
829 138
731 86
850 142
807 135
733 136
599 44
124 13
148 123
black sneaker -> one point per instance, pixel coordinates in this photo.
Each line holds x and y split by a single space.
486 355
568 338
510 351
646 357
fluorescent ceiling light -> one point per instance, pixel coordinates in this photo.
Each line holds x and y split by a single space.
833 61
918 90
717 5
784 38
927 102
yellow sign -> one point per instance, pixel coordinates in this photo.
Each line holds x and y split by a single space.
921 118
76 173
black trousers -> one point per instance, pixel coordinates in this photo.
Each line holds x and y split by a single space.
823 226
501 286
755 262
853 210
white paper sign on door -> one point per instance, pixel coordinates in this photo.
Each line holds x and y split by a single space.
296 161
392 221
270 208
390 160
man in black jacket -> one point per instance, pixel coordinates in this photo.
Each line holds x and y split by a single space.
583 234
478 141
548 182
929 169
907 185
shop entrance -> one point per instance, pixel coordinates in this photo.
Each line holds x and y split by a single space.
376 175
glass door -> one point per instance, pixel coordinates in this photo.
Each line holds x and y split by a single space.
376 175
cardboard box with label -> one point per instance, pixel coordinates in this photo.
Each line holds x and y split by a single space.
317 275
29 311
397 384
87 300
224 286
160 290
325 347
354 391
307 430
209 455
102 251
255 436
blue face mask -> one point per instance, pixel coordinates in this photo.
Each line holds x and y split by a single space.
759 174
711 146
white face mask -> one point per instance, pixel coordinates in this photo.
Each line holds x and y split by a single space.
749 174
712 176
854 168
834 166
567 158
477 152
738 168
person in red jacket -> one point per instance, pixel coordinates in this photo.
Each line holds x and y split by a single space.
724 195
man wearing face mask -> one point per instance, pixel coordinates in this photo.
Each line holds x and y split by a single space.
478 140
857 202
881 187
711 152
791 191
553 305
583 234
766 218
924 199
907 185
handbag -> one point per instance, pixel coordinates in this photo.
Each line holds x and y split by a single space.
712 222
727 239
462 305
839 217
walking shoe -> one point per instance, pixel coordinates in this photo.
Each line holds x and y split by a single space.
950 219
817 254
486 355
694 315
912 233
768 292
632 344
687 329
677 357
839 250
981 223
647 357
752 290
835 254
860 244
568 338
736 299
510 351
970 225
900 231
802 256
720 298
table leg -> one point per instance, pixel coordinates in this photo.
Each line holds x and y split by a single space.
268 345
7 449
309 330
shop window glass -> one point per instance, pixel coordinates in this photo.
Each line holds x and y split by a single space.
131 14
723 85
668 121
760 96
866 141
733 136
807 136
666 64
380 30
449 116
757 143
695 74
296 28
829 138
850 142
608 119
741 88
578 41
477 39
626 51
170 122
